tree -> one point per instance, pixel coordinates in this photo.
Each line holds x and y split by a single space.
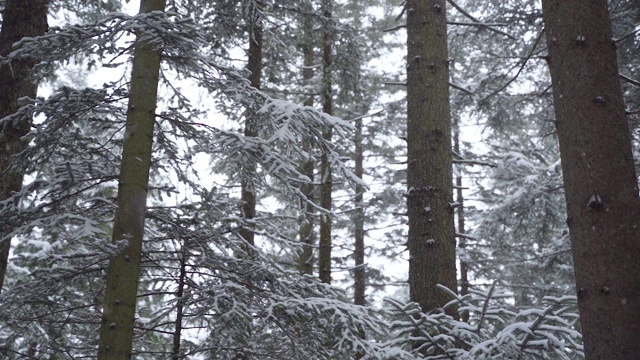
603 208
307 208
326 177
431 239
19 19
254 65
190 248
518 234
116 330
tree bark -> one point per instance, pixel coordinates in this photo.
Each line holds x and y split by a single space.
117 329
254 65
19 19
432 245
326 177
306 257
359 275
177 331
599 177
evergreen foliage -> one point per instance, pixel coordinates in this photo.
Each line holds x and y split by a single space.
203 291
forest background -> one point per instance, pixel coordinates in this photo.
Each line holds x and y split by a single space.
272 141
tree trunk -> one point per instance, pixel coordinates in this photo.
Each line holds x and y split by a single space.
19 19
116 331
326 177
460 226
599 177
254 65
177 331
359 275
432 245
305 260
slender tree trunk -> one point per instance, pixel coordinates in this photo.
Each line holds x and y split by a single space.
359 275
305 260
254 65
462 242
324 255
306 257
432 245
599 177
177 332
116 331
19 19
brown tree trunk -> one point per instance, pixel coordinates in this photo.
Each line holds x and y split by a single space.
254 65
19 19
306 257
326 177
432 245
359 275
118 317
599 176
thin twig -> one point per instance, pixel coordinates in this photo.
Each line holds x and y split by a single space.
485 307
463 23
463 12
458 23
524 63
626 36
455 86
460 88
629 80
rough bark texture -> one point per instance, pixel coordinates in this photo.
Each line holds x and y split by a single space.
19 19
326 177
116 330
599 178
306 258
432 246
359 274
254 65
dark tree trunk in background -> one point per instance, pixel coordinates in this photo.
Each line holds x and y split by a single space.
117 328
306 257
599 176
254 65
326 178
19 19
432 245
177 330
359 275
460 226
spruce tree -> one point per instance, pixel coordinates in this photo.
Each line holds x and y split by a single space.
600 180
431 239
